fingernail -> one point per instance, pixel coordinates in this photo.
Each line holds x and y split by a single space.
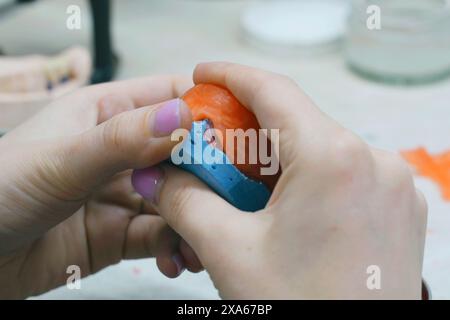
147 182
179 262
167 118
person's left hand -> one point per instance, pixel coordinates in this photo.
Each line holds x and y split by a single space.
65 190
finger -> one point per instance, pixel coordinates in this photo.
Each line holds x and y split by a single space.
173 255
193 263
144 237
119 191
150 236
143 91
116 233
193 210
82 110
113 104
147 208
171 265
133 139
277 102
127 95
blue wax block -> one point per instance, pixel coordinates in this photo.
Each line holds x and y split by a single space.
219 173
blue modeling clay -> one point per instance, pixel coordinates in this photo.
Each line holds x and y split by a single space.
220 175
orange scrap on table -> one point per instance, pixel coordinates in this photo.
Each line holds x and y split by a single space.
435 167
217 104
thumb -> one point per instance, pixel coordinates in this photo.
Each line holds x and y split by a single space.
48 181
133 139
194 211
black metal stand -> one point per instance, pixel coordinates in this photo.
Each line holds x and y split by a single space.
105 60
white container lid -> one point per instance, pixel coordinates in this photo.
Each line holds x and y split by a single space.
296 25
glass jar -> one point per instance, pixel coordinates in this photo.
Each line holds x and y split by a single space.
399 41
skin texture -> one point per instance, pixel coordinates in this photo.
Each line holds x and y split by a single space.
339 207
66 195
217 104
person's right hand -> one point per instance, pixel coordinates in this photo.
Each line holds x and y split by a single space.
339 207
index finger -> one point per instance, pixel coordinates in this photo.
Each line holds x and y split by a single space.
276 101
143 91
87 107
117 97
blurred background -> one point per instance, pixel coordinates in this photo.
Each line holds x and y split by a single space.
378 67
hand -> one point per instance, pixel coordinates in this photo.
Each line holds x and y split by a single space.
339 207
65 191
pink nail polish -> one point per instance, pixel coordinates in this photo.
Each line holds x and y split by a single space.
167 118
179 262
147 182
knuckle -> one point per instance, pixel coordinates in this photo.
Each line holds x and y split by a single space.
398 182
401 173
121 138
348 154
349 144
111 134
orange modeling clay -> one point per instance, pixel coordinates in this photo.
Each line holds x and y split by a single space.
217 104
435 167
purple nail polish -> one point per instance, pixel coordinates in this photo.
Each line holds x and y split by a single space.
147 182
179 262
167 118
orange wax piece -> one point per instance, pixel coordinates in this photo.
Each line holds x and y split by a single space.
217 104
434 167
